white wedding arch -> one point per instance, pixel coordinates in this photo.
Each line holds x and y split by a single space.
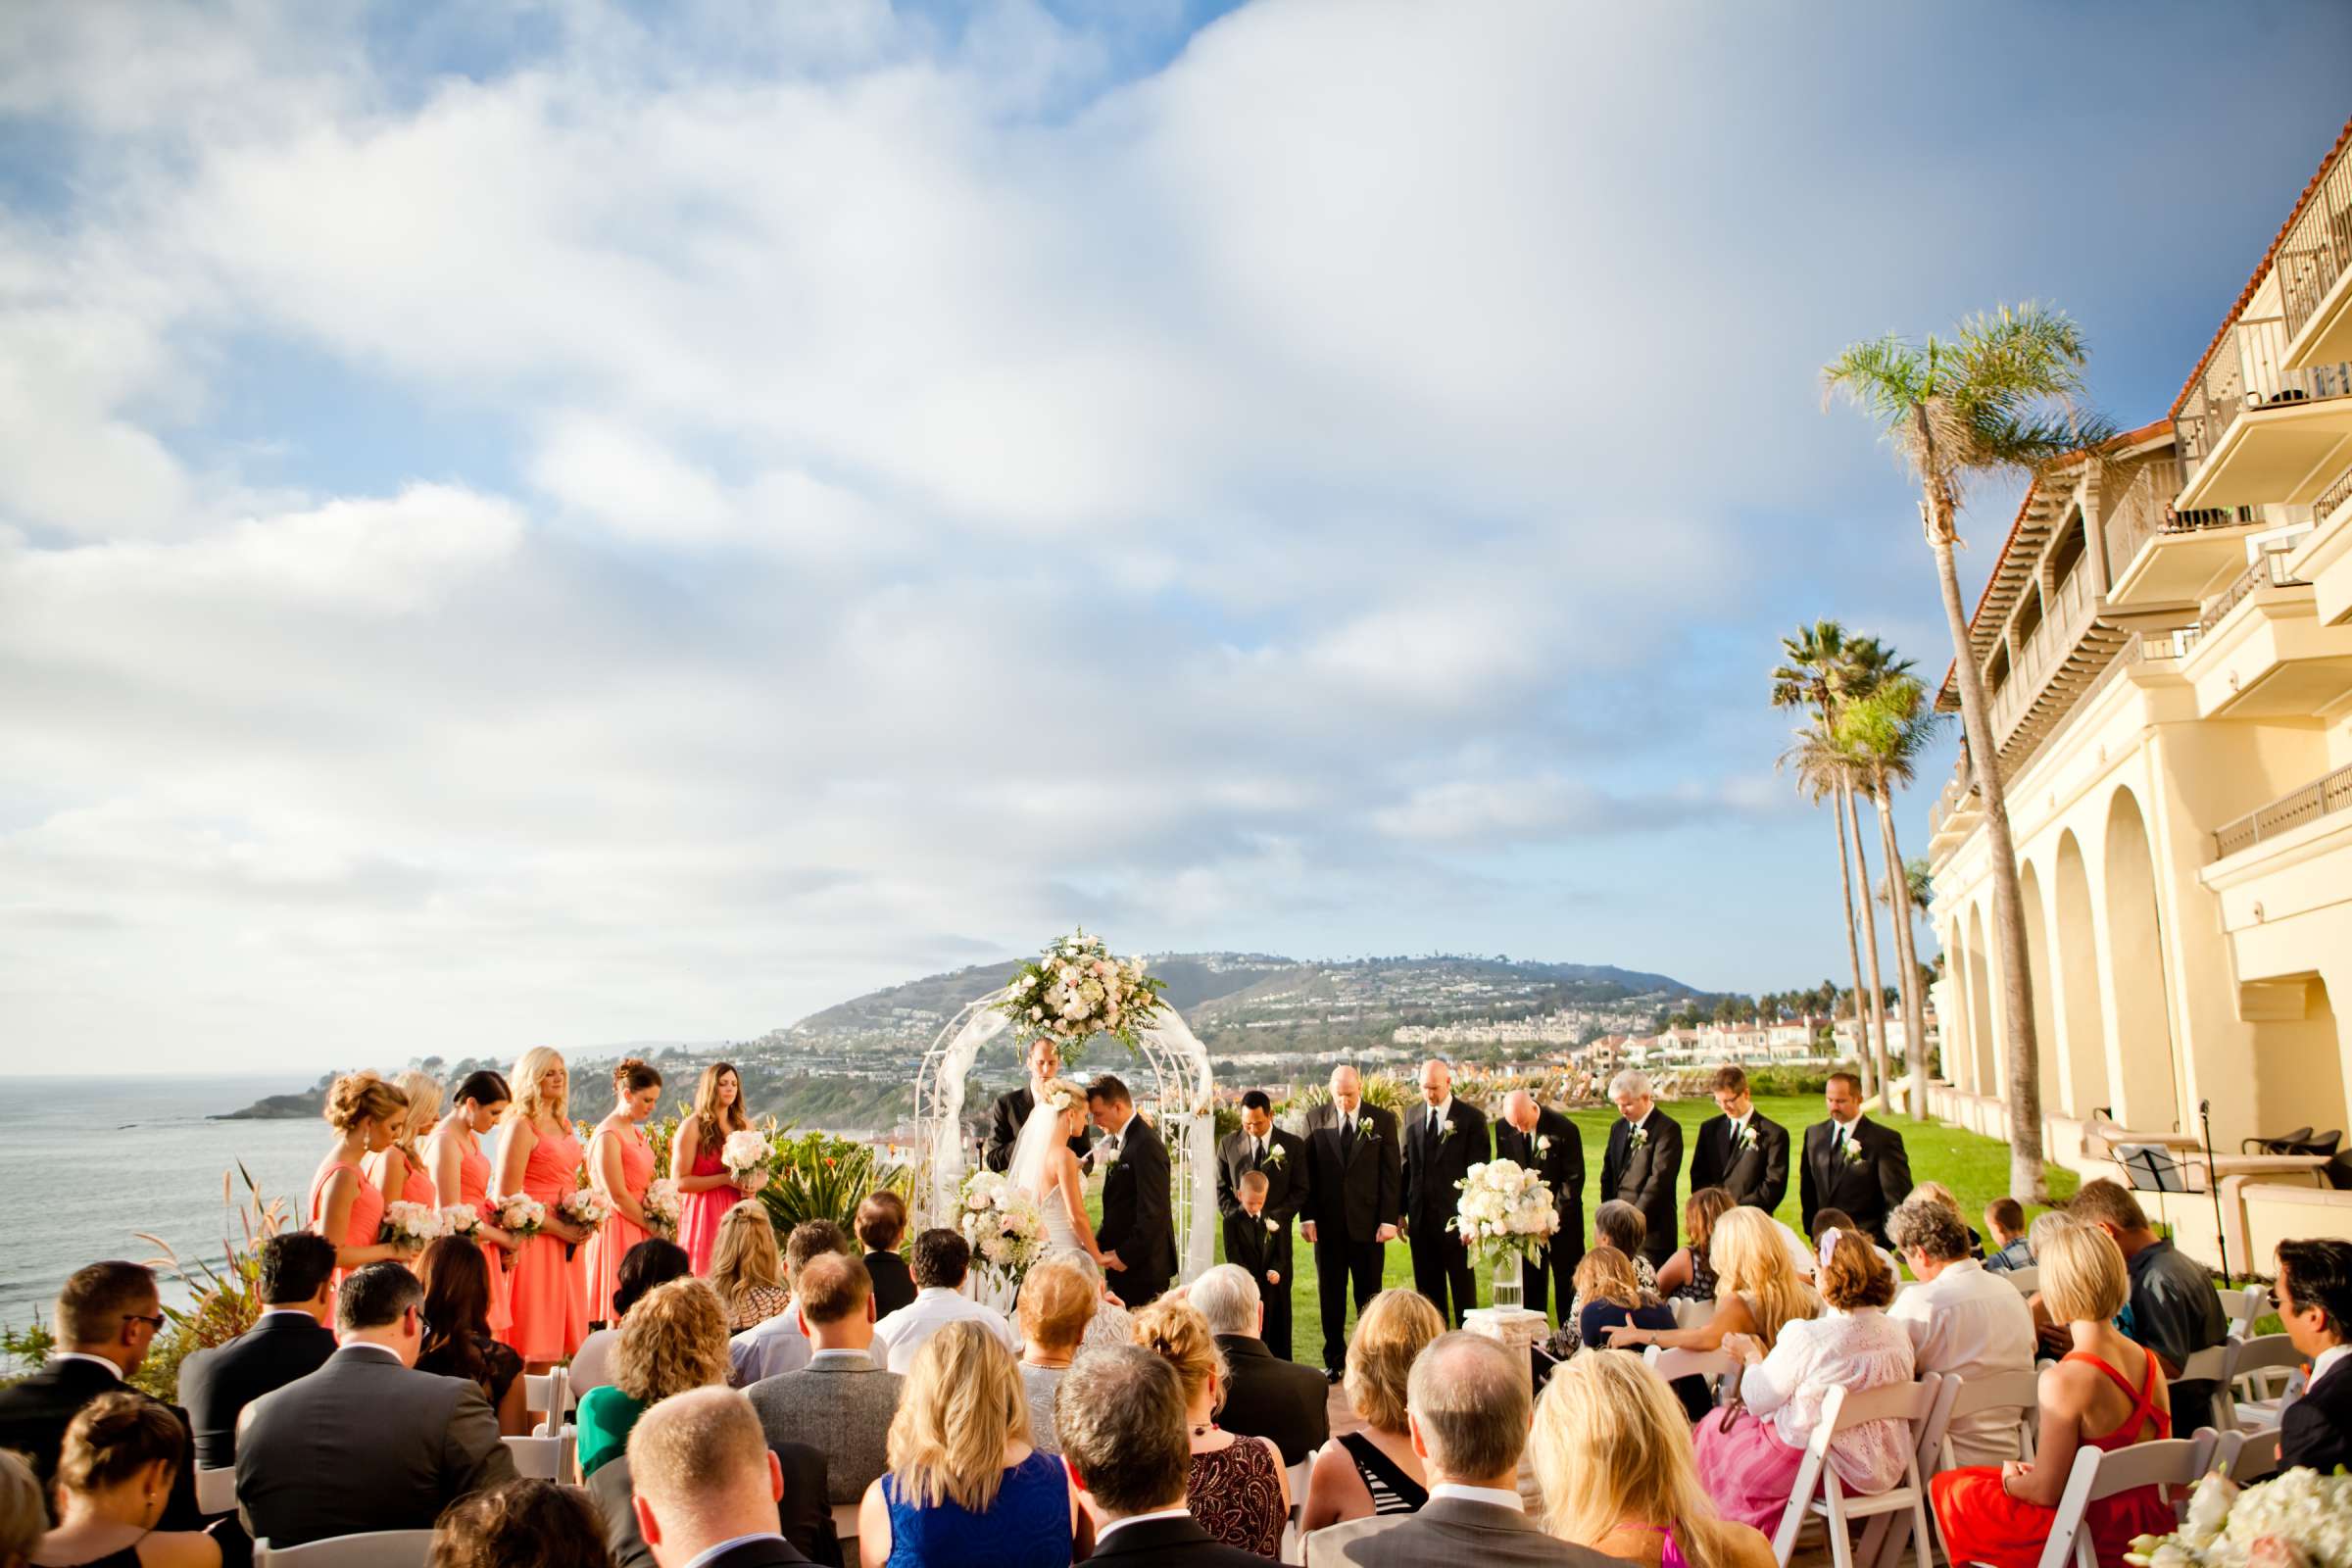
1175 1092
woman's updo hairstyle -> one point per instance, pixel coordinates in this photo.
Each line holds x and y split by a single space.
114 1437
1853 1274
484 1088
632 1075
360 1098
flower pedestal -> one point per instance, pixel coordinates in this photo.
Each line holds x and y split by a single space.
1515 1327
1511 1286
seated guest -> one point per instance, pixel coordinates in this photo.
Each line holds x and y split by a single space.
114 1478
1127 1459
840 1403
1961 1319
705 1486
777 1346
2314 1299
966 1488
941 1259
1058 1303
367 1443
2053 1337
881 1228
805 1516
23 1516
1937 1192
1470 1407
1112 1326
1604 1283
519 1522
1375 1471
1758 1290
1748 1467
1614 1464
672 1340
1826 1220
106 1317
458 1344
1265 1396
2107 1393
1617 1224
1237 1489
651 1262
290 1339
2175 1311
1687 1276
745 1269
2005 1219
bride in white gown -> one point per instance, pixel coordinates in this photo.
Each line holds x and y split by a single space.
1043 1166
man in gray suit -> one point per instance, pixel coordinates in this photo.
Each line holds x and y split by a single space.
1468 1406
367 1443
841 1403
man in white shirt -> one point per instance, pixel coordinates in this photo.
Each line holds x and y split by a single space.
1962 1319
1119 1413
942 1260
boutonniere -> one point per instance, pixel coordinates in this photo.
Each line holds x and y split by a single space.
1275 1157
1274 1227
1639 1138
1746 1139
1445 1133
1543 1144
1853 1150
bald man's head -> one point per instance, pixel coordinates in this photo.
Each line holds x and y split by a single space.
1520 1109
1347 1088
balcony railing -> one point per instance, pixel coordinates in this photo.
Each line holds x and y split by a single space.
2269 572
2245 374
2144 509
2318 250
2066 616
2334 496
2322 797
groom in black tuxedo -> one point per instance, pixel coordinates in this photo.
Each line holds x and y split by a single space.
1645 1161
1013 1107
1744 1151
1443 1138
1136 1235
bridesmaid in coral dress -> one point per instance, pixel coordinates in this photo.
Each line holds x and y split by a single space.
538 1155
705 1192
400 1173
620 1165
345 1206
455 1154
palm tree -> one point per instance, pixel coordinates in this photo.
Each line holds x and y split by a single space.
1998 398
1886 731
1824 772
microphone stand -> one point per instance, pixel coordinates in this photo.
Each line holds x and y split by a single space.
2212 1185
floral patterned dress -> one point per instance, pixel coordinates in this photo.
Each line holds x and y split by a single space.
1235 1494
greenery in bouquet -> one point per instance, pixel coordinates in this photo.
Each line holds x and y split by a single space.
223 1300
1077 989
1507 1211
1001 1223
819 1176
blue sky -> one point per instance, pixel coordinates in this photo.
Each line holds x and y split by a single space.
582 522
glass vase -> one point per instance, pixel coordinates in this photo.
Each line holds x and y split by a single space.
1511 1286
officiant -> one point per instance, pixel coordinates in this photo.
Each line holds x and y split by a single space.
1013 1107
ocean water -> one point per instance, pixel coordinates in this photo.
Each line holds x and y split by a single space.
87 1162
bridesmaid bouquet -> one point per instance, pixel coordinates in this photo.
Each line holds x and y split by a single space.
662 1205
743 1154
520 1215
587 1208
459 1219
410 1226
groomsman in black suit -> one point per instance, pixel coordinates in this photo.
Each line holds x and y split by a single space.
1013 1107
1263 1148
1356 1201
290 1339
1138 1235
1744 1151
1853 1164
1645 1161
1443 1139
1548 1143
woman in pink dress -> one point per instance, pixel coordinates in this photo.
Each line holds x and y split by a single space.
345 1206
620 1165
455 1155
538 1157
400 1172
706 1191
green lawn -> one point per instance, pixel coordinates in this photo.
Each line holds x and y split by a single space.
1975 1168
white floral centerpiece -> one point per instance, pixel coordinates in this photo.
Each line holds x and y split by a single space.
1506 1217
1003 1225
410 1225
745 1153
1077 989
663 1205
2301 1519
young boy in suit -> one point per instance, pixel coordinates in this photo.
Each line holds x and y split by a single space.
1267 1253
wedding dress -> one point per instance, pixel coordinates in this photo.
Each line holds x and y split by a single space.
1034 1170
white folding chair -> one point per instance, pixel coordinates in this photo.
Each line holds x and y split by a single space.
845 1527
537 1459
1816 1493
2242 1305
2175 1462
2019 1391
2026 1280
2254 1385
378 1549
539 1392
2247 1458
1720 1368
216 1491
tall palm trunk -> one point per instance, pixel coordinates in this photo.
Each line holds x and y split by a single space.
1906 954
2028 1181
1870 930
1853 953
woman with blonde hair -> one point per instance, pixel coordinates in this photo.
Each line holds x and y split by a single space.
400 1172
1236 1488
1058 1303
745 1268
547 1296
1758 1290
620 1165
367 1115
2107 1393
1690 1274
1612 1457
673 1340
707 1190
966 1488
1375 1471
115 1472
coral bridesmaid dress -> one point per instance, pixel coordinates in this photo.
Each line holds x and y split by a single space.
474 1188
418 1188
367 1210
548 1293
615 1237
698 1213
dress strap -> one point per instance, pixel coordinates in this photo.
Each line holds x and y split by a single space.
319 1182
2143 1398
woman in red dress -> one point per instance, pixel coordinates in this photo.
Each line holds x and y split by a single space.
538 1155
706 1191
620 1165
400 1173
2108 1393
345 1206
454 1154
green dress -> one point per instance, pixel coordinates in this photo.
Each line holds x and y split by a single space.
606 1416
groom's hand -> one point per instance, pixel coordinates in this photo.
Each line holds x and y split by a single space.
1111 1259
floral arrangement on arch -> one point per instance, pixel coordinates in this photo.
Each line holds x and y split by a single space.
1507 1211
1077 989
1003 1225
2300 1519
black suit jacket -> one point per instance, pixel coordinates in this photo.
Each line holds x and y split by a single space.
1434 1163
808 1518
35 1410
2315 1432
1350 1199
1137 1218
217 1384
1868 1186
893 1283
1646 1178
1005 1119
1248 1243
1756 1177
1266 1396
1171 1543
1288 1184
1561 1165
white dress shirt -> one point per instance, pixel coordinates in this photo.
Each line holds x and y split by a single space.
1491 1496
112 1371
1102 1533
768 1347
1973 1322
901 1334
2326 1358
1443 1110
